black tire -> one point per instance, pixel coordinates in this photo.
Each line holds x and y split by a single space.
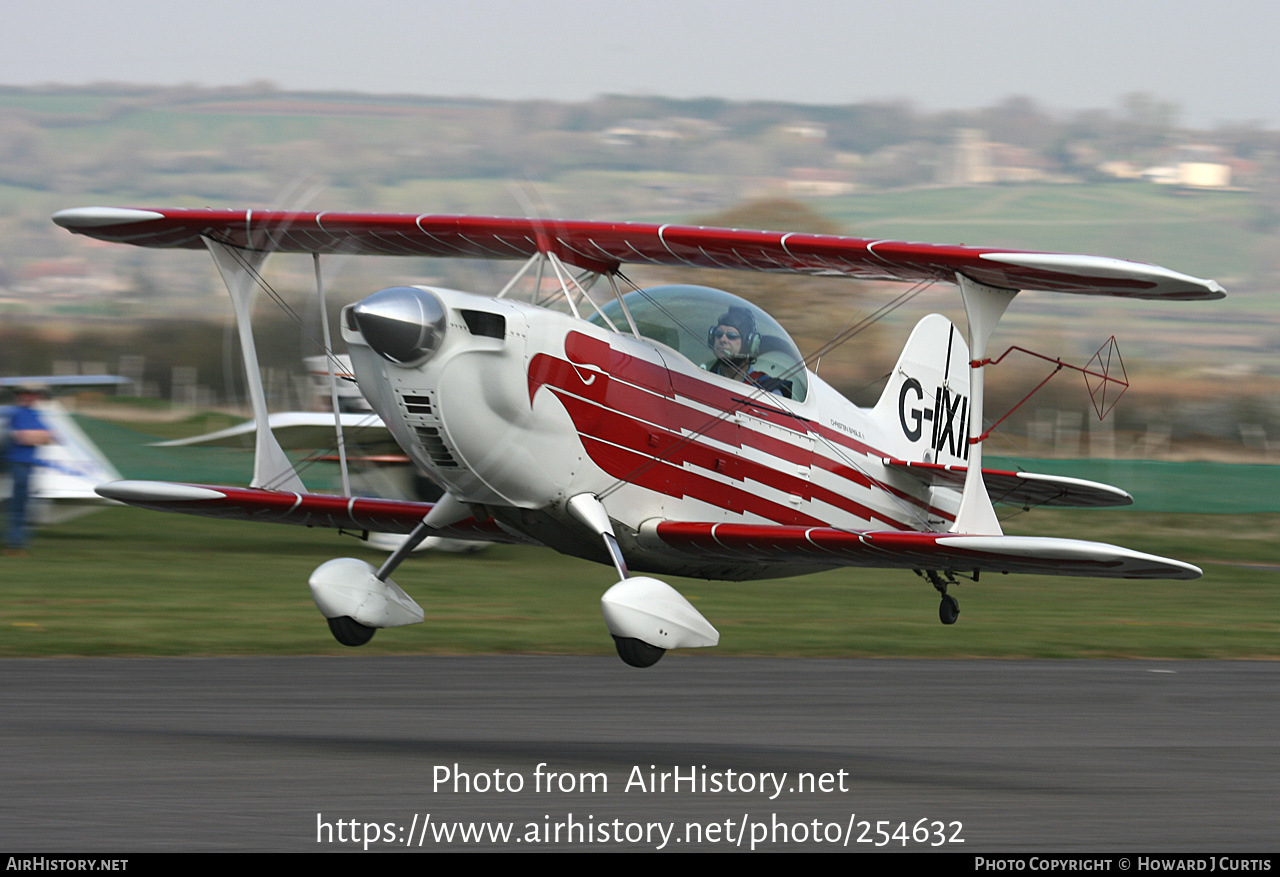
637 652
350 632
949 609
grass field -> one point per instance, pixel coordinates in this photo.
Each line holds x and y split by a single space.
131 582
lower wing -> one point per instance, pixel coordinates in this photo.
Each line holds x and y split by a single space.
825 547
304 509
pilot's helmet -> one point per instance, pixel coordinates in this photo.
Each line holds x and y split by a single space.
744 321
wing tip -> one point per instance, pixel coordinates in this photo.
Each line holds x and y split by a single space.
1166 284
1124 563
99 217
156 491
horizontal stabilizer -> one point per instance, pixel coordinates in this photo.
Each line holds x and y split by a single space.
301 430
1026 489
825 547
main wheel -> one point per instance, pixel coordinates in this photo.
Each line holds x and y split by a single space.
350 632
637 652
949 609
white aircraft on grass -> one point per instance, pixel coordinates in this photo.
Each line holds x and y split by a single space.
630 430
68 470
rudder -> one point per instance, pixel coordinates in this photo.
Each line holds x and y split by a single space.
924 409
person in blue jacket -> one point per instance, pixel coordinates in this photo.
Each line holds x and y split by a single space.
27 432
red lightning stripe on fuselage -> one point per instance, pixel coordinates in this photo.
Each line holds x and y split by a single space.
634 425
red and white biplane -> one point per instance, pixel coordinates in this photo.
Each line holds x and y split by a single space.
670 430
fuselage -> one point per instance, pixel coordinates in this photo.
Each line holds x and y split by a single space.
515 408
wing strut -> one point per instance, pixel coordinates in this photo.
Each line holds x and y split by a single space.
617 295
566 278
331 363
535 259
239 268
983 307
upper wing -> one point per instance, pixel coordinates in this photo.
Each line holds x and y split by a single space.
305 509
603 246
1023 488
825 547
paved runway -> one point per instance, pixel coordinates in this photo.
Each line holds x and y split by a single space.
138 755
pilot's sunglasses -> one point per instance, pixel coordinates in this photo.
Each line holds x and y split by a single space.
721 333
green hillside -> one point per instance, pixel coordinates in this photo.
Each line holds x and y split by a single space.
1206 234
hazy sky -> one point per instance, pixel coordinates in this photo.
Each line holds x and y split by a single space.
1218 61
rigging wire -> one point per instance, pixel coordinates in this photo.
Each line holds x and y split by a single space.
280 301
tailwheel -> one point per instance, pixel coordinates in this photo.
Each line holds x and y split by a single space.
637 652
350 632
949 609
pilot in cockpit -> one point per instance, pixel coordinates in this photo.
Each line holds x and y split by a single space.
736 345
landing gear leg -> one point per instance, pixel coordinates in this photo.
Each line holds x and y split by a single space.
949 608
645 616
588 509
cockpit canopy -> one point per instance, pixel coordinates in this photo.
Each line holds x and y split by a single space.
684 317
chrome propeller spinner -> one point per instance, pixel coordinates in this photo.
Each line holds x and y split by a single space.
404 325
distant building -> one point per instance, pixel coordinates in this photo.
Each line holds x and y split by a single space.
635 132
968 161
818 182
1193 166
972 160
1121 170
639 131
1204 175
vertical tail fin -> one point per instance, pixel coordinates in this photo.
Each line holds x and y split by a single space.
924 409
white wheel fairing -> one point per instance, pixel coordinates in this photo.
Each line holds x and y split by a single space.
656 613
349 587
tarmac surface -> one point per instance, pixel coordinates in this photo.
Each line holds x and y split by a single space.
320 754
